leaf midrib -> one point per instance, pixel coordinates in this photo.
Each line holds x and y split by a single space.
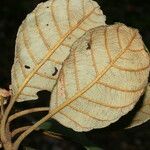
67 102
50 53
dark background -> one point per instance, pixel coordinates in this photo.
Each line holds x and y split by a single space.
135 13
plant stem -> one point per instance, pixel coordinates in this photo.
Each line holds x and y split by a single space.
2 106
26 112
32 128
17 131
4 136
53 135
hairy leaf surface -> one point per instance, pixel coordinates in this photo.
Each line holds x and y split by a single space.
102 80
44 40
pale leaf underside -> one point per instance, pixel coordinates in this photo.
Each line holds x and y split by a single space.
44 40
143 115
102 80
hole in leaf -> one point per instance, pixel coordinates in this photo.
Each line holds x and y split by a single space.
27 67
43 98
55 72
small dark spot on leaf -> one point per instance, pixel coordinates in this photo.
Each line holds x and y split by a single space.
47 24
56 70
88 46
27 67
47 7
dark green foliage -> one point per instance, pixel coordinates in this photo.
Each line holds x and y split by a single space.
69 134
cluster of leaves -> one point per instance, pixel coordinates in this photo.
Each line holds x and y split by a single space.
35 53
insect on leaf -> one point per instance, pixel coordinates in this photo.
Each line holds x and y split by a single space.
143 114
44 40
102 80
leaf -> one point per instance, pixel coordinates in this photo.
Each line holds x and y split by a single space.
102 80
93 148
29 148
80 138
44 40
143 115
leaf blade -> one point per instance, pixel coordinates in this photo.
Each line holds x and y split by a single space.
69 107
143 115
53 54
